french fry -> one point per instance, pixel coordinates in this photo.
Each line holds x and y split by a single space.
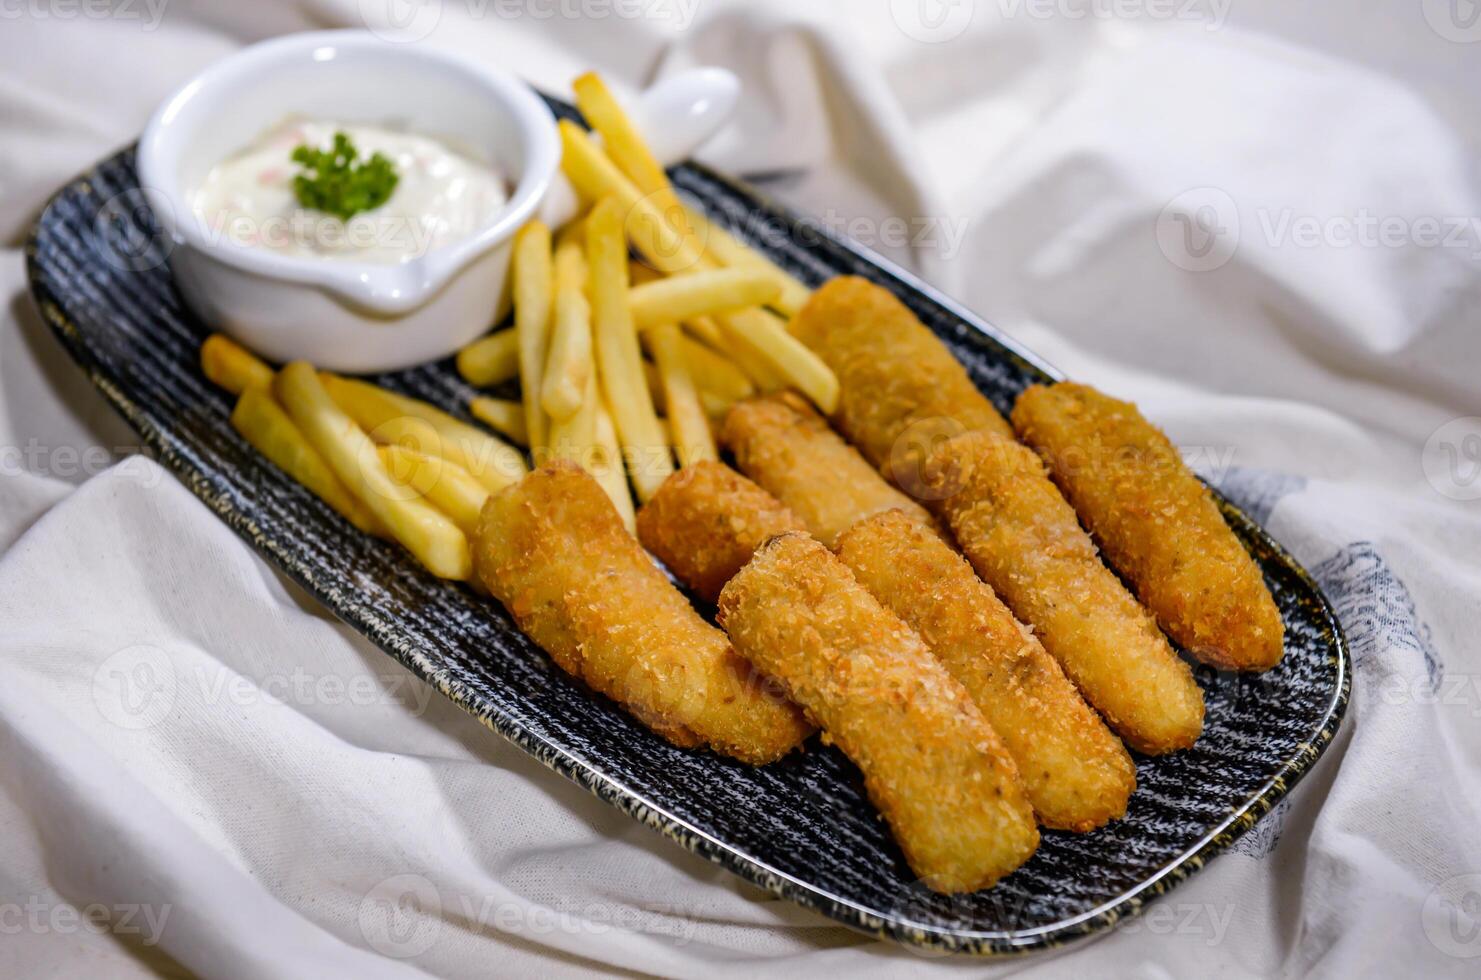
732 253
671 250
232 366
639 273
406 431
607 468
449 487
715 405
568 367
689 426
751 364
533 277
432 538
619 361
707 330
269 430
664 246
719 382
574 230
503 416
493 463
700 294
573 437
764 334
625 146
655 384
490 360
714 373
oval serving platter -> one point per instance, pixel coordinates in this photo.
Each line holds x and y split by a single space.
801 828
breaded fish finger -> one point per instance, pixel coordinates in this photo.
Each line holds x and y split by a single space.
706 521
1025 542
553 550
780 442
901 389
1155 522
932 764
1076 773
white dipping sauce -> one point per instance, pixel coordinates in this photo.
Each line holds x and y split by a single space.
441 197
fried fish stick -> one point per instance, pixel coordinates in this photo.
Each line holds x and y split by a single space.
932 764
1025 542
901 389
554 551
1155 522
1076 773
782 444
707 520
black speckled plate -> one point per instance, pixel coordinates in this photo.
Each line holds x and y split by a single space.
801 828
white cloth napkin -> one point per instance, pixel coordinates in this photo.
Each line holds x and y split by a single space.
1262 222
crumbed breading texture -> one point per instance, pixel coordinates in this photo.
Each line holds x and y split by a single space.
1026 543
779 441
932 764
1155 522
1076 773
901 390
706 521
553 550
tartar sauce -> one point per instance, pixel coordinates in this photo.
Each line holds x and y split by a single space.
441 197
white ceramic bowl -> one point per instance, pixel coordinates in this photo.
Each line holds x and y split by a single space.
362 317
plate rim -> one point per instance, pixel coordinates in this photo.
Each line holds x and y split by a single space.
384 633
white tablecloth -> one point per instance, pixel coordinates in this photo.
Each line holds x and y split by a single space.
1261 221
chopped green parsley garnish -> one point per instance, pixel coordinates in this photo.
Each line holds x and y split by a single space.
336 182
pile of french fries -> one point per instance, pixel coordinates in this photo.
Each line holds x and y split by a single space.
601 343
392 465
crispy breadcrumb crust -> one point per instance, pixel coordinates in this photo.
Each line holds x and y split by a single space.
1076 773
706 521
932 764
900 388
779 441
553 550
1155 522
1026 543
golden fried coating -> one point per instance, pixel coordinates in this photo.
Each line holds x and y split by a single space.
706 521
1025 542
1156 523
901 389
554 551
932 764
779 441
1076 773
